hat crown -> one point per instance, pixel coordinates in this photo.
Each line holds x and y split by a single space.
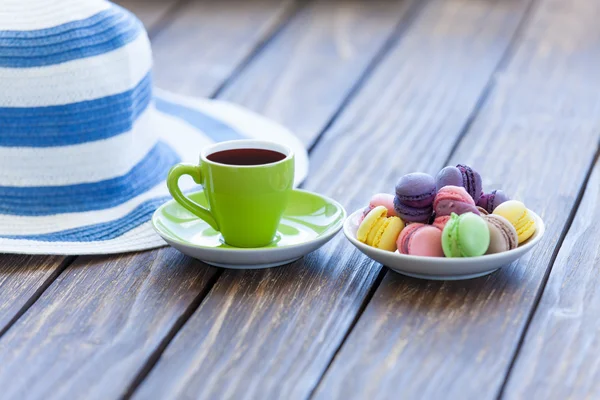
84 146
28 15
75 92
68 51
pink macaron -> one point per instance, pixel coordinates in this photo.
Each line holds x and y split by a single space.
381 199
453 199
421 240
386 200
440 222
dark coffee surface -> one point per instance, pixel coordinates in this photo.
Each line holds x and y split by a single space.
246 157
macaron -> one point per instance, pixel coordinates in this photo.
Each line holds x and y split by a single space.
503 236
421 240
448 176
369 221
465 235
386 200
440 222
453 199
489 201
519 216
378 230
365 211
412 214
380 199
416 190
471 181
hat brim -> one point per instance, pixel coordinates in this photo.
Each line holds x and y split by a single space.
184 126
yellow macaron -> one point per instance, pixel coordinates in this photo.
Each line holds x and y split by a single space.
519 216
379 231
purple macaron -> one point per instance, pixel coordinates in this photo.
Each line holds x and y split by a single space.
489 201
471 181
416 190
448 176
454 199
412 214
448 207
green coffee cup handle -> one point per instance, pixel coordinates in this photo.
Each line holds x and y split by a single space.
173 184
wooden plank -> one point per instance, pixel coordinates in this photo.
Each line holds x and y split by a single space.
211 39
22 278
536 137
149 12
272 333
559 357
313 65
92 330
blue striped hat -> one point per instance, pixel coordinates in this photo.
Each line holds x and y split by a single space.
85 143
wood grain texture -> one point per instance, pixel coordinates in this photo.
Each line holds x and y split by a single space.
210 39
272 333
21 278
150 12
559 357
309 69
92 329
535 138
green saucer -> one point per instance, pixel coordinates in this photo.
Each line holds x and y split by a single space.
309 222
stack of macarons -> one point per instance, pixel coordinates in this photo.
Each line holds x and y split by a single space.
449 215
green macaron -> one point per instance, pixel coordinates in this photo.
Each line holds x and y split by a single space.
465 235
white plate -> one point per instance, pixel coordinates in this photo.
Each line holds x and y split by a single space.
440 268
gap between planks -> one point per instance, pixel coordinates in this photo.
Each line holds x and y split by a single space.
401 27
501 66
363 306
283 19
540 292
485 93
183 318
38 293
167 18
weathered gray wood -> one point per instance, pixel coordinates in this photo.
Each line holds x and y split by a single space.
90 332
272 333
21 278
150 12
210 39
559 358
303 76
536 138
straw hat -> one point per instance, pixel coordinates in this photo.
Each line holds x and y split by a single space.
85 144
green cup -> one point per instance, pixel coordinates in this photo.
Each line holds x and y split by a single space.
246 202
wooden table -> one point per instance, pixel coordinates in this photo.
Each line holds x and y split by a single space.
375 89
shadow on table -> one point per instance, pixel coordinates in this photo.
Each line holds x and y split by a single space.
449 296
